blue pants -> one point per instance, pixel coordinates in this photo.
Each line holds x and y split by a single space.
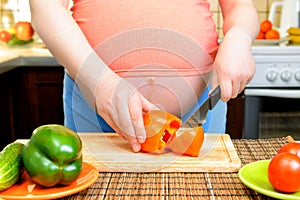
80 117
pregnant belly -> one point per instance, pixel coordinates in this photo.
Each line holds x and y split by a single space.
175 94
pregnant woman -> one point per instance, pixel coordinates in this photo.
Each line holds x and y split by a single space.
125 57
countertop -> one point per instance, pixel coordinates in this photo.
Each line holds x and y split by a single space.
183 185
36 54
26 55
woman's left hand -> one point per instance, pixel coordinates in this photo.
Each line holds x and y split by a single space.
234 64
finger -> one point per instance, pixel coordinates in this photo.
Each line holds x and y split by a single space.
132 141
124 134
126 130
121 134
136 116
135 145
235 90
147 106
114 126
109 120
242 86
226 90
214 78
128 123
123 119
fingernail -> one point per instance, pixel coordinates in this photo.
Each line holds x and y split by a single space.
142 139
136 147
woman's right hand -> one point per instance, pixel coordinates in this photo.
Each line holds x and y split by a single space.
121 105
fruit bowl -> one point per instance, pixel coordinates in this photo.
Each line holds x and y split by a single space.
265 42
21 34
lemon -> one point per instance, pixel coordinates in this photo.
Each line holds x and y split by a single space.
11 30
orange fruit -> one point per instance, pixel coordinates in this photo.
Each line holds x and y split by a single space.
260 36
265 26
272 35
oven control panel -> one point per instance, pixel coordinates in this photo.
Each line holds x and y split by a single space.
277 75
276 67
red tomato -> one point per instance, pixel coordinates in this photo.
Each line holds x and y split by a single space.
292 147
284 172
24 30
5 36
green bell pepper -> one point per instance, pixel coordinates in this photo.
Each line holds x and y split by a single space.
53 155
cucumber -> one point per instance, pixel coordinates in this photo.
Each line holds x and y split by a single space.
10 164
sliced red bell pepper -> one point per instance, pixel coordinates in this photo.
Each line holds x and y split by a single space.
160 127
188 141
164 134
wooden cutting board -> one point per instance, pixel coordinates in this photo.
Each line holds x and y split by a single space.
109 152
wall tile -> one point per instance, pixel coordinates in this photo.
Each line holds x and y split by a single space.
7 18
261 5
20 10
9 4
23 5
214 5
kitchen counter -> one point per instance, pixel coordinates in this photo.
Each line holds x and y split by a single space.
38 55
27 55
182 185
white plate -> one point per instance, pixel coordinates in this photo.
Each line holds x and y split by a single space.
271 42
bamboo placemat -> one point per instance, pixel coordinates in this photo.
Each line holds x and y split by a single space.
184 185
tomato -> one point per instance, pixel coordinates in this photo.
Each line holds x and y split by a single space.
272 35
284 172
24 31
260 35
292 147
5 36
265 26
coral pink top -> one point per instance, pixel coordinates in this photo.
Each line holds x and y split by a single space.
169 36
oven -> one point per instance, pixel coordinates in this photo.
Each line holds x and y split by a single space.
272 98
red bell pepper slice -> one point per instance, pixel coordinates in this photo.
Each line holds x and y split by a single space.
188 141
164 134
160 127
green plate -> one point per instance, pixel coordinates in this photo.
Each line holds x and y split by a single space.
254 175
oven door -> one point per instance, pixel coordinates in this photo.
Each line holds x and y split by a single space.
272 113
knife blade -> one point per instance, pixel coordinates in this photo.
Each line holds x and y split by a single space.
209 104
201 112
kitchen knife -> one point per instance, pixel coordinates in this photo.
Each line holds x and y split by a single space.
209 104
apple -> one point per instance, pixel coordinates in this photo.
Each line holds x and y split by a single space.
5 36
24 30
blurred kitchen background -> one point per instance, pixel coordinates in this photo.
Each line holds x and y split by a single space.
12 11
